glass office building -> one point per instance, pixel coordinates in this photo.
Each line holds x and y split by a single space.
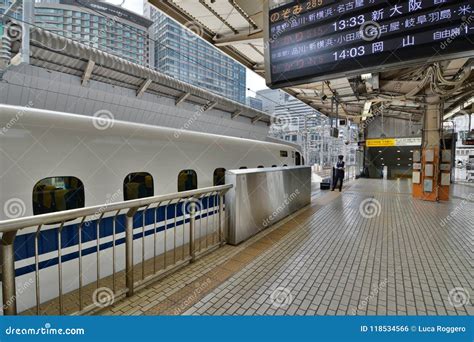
98 24
184 55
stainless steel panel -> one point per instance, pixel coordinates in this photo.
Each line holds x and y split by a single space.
262 197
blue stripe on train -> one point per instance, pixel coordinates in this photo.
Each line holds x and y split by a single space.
48 239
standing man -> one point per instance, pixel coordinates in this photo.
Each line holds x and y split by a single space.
339 173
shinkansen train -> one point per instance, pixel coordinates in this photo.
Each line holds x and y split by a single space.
52 161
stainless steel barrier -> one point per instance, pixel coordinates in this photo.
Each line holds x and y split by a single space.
138 220
262 197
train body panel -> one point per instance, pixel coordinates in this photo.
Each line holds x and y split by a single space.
37 144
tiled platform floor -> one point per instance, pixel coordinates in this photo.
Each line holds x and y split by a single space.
371 250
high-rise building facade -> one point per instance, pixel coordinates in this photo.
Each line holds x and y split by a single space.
101 25
182 54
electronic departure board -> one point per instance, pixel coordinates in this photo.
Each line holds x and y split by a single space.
311 40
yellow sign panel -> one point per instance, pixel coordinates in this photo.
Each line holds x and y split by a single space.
381 142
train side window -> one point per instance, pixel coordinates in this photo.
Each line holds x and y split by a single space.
137 185
260 167
242 167
187 180
302 160
283 153
285 165
54 194
297 158
274 166
219 176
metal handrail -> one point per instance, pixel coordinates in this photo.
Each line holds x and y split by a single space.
23 222
9 228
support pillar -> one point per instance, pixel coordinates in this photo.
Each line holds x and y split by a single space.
432 165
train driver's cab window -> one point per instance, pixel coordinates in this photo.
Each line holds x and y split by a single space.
297 158
137 185
219 176
187 180
57 194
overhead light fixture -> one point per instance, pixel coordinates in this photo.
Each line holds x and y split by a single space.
398 164
398 158
398 151
381 158
411 151
380 151
366 76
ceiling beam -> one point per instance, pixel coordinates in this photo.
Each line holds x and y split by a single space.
257 118
238 38
87 72
208 106
243 14
235 114
144 86
181 98
218 16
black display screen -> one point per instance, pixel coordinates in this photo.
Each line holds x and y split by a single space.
313 40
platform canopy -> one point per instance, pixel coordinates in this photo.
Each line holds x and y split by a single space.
237 28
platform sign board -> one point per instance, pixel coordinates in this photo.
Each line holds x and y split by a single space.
313 40
391 142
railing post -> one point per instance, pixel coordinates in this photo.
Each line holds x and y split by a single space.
129 251
192 219
8 274
221 218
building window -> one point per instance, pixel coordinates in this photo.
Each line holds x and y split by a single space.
219 176
187 180
137 185
57 194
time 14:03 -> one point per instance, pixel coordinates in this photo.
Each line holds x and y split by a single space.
349 53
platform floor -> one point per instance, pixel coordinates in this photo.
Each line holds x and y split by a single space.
370 250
